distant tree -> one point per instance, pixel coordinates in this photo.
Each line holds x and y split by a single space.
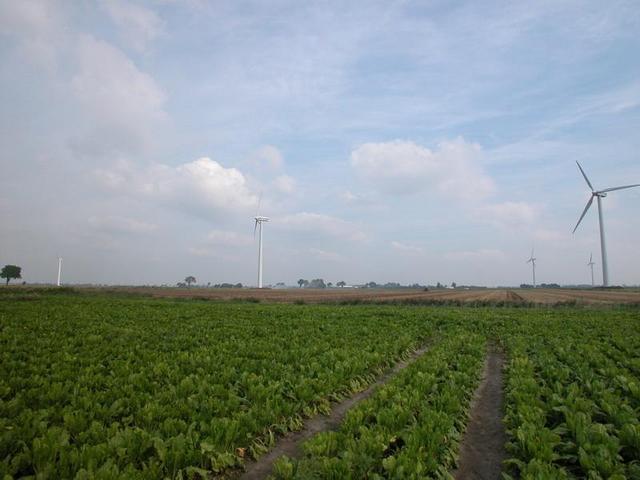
371 285
303 283
439 285
341 283
453 284
189 280
238 285
10 271
329 284
181 284
317 283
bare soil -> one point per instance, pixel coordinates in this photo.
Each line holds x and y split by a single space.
291 444
482 448
370 295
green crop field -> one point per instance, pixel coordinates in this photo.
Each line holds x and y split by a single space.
113 387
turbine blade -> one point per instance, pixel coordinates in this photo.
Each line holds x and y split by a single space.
584 212
585 176
619 188
255 226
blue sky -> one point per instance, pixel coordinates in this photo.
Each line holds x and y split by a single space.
389 141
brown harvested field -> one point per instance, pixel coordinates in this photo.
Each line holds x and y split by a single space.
354 295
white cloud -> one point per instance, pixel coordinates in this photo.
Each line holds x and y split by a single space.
138 25
202 187
402 247
318 223
124 106
402 167
115 224
509 215
34 23
285 184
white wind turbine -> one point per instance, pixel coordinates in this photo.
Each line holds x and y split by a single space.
532 261
59 270
599 194
259 221
591 264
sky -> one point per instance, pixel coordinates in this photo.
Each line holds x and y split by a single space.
411 142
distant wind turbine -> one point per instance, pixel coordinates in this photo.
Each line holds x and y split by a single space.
591 264
259 221
532 261
599 194
59 269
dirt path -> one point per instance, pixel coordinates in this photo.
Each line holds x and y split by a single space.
482 448
290 444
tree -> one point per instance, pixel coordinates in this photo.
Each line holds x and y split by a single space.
341 283
303 283
329 284
453 284
189 280
10 271
317 283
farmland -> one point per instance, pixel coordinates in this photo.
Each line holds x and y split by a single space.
487 296
114 386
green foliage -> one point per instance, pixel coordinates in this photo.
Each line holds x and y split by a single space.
10 272
98 387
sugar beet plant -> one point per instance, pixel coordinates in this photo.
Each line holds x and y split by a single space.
410 428
573 397
131 388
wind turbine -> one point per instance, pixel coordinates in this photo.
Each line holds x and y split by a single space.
600 194
532 261
259 221
59 269
591 264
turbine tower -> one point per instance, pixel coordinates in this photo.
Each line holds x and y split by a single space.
259 221
600 194
532 261
591 264
59 270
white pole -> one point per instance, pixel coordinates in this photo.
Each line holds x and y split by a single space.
59 269
260 257
603 247
533 263
592 282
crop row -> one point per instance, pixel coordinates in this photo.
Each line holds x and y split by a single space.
410 428
107 388
572 400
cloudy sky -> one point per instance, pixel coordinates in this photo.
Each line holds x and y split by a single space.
388 141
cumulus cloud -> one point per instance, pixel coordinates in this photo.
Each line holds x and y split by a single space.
35 25
115 224
137 25
318 223
202 187
404 248
510 215
403 167
125 106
